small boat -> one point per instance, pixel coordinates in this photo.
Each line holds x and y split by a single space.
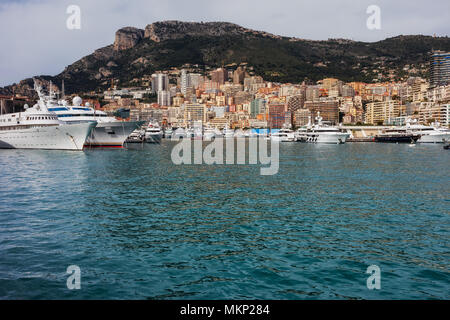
301 134
168 133
239 134
249 133
137 136
179 133
209 134
228 133
447 145
153 133
283 135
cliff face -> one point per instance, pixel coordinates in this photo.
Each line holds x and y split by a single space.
127 38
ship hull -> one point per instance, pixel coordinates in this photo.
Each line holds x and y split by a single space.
111 134
153 138
282 139
434 138
60 137
397 139
338 138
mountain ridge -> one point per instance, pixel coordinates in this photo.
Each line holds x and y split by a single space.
161 45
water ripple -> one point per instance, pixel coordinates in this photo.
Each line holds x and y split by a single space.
140 227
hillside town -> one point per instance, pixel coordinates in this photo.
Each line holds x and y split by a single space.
233 96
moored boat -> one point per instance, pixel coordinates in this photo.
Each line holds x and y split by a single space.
153 133
283 135
109 132
38 128
321 133
397 135
428 134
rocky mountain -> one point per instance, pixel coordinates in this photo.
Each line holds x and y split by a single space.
136 52
127 38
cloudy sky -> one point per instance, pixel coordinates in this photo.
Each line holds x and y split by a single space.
36 41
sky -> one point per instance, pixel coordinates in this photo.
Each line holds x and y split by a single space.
36 41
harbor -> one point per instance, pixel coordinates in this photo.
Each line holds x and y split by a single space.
141 227
316 132
236 172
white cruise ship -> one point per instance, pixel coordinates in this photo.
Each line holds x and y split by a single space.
38 128
109 132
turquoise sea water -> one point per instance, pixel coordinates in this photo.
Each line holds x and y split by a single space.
140 227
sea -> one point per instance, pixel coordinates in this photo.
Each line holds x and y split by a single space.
131 224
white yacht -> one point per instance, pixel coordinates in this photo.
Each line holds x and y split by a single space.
137 136
320 133
38 128
168 133
195 133
109 132
179 133
153 133
228 133
249 133
300 134
428 134
283 135
239 133
210 133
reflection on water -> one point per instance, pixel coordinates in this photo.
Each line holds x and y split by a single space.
140 227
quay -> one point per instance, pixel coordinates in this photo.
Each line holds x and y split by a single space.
361 140
363 133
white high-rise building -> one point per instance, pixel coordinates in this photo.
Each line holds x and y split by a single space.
164 98
185 81
160 82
